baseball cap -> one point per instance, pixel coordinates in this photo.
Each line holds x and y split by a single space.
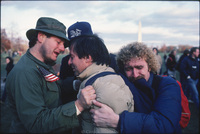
78 29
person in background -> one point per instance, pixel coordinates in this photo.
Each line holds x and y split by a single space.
171 64
156 110
190 69
165 56
88 57
9 67
182 79
155 50
185 53
33 90
165 61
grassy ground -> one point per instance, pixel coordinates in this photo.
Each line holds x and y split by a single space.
193 126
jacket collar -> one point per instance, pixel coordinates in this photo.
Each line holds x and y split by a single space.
92 69
146 86
38 62
192 57
150 81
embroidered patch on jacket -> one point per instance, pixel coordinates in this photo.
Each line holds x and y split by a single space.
48 75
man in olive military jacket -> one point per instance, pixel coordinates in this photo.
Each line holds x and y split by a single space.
33 89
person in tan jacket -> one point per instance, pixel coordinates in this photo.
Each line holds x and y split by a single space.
88 57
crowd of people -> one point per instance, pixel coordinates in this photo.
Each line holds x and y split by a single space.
188 67
132 98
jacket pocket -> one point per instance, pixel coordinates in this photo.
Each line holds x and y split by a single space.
51 95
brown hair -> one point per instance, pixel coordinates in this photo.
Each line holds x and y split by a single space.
137 50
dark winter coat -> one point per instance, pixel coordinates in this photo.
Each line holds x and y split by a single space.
179 62
190 67
171 62
160 114
34 103
9 66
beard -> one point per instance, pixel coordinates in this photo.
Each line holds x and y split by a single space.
132 79
44 51
50 62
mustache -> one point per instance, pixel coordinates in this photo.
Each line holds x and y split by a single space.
137 78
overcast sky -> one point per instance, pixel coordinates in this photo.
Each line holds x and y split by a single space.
163 22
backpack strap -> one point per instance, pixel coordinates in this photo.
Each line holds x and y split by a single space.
93 78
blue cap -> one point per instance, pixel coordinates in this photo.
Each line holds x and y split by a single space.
78 29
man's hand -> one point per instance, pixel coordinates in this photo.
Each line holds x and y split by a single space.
104 116
85 98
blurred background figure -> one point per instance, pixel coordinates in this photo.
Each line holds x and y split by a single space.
190 69
10 64
185 53
9 67
155 50
182 79
171 64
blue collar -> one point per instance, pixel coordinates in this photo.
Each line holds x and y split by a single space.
150 81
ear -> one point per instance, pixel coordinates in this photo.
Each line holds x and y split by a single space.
89 59
40 37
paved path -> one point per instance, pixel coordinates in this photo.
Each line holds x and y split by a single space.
193 126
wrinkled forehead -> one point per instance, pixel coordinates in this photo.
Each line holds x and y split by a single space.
136 61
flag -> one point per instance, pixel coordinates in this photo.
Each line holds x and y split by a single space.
48 75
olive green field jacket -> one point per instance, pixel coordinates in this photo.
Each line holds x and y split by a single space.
34 103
